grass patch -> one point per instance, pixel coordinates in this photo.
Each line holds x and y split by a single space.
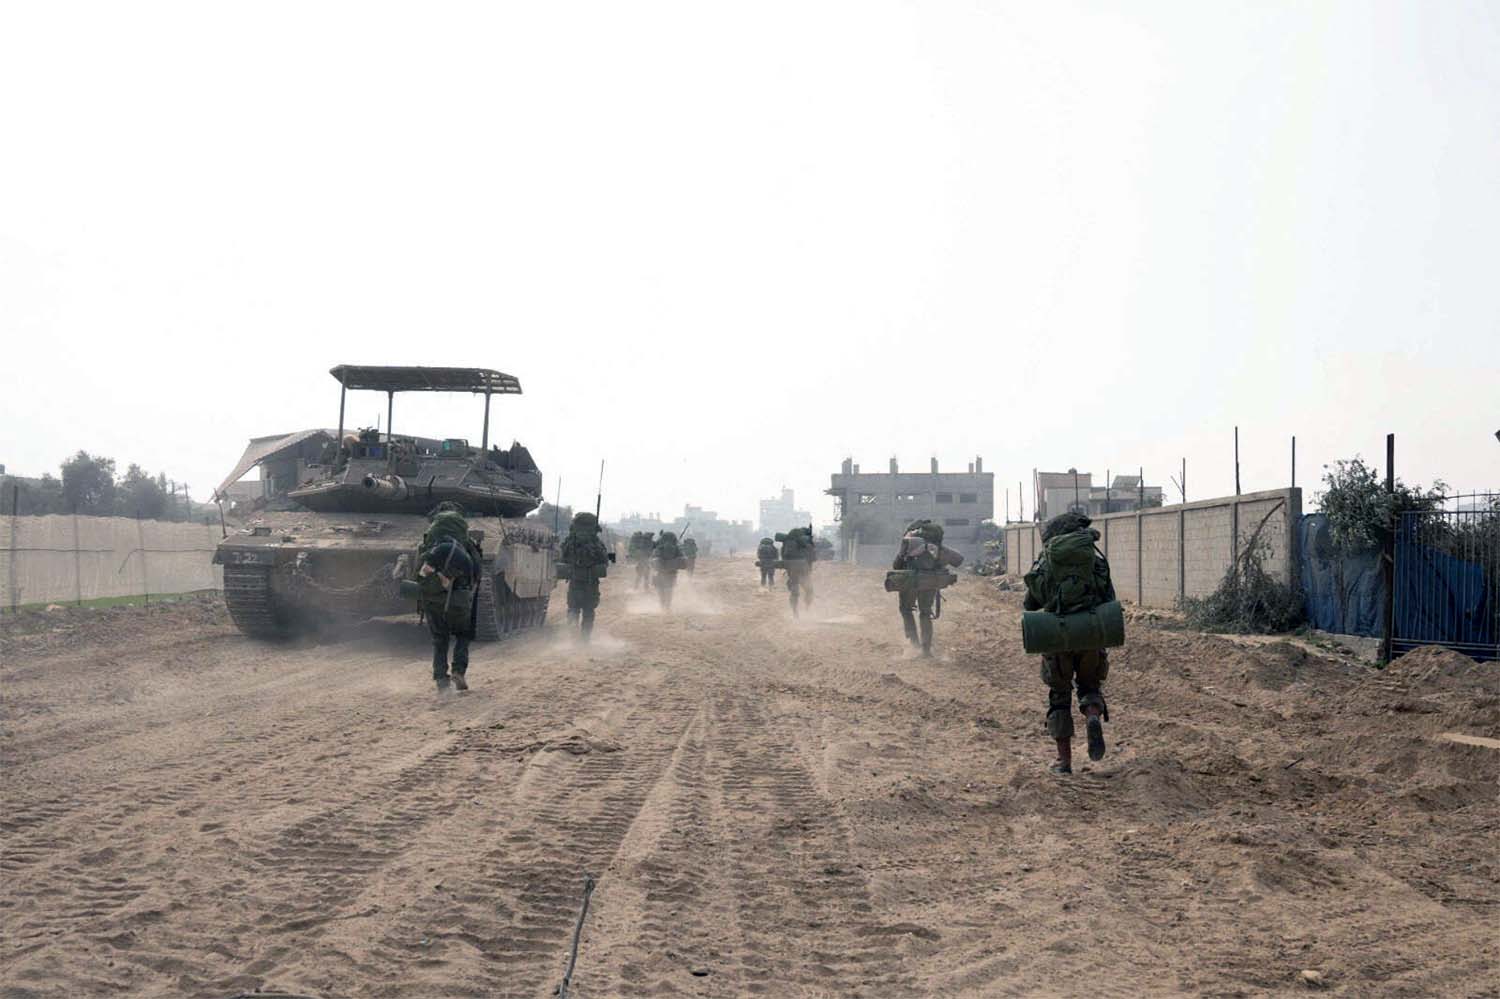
133 601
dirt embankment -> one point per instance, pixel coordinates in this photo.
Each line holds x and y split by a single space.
771 808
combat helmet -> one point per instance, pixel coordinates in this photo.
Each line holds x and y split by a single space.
927 530
1065 523
585 521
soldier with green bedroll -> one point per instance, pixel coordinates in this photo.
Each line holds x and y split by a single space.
918 575
1072 617
797 555
585 561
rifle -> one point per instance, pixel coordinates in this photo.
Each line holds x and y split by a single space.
599 496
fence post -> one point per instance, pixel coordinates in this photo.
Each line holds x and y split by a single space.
1388 553
1182 545
140 534
1140 574
14 574
77 563
1234 532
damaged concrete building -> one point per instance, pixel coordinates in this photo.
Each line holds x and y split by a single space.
875 507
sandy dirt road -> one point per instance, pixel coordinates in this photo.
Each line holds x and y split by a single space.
771 808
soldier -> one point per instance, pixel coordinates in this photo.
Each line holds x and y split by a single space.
765 557
797 555
449 574
690 552
668 561
640 553
585 555
1071 532
922 549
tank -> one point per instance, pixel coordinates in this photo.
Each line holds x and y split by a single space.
335 543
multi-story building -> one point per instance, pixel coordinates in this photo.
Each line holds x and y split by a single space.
874 508
780 514
1061 492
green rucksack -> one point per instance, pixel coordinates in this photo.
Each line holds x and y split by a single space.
1071 574
666 546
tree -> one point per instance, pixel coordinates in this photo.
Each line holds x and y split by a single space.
88 484
1360 512
140 495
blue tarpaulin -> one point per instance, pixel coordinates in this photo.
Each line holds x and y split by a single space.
1344 594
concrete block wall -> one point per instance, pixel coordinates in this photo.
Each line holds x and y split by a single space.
1158 555
1160 561
1208 549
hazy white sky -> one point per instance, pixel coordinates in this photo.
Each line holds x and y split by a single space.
723 246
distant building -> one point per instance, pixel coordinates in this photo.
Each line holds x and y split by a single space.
715 535
1061 492
874 508
780 514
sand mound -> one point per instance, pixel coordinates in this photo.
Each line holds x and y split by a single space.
1436 668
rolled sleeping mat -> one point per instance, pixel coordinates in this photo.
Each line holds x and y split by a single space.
1046 633
411 589
918 580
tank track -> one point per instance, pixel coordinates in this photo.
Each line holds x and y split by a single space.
498 618
247 594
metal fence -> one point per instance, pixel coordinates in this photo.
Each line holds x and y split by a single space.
1447 577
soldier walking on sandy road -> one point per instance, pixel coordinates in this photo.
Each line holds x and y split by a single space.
1071 576
639 553
586 559
765 557
668 560
797 555
448 577
922 563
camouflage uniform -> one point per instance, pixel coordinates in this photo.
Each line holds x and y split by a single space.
450 558
583 550
797 554
765 557
667 553
923 601
690 552
640 553
1060 672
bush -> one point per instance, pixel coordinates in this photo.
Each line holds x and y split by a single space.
1249 601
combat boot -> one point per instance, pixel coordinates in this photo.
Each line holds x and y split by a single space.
1064 762
1096 733
926 638
459 683
442 684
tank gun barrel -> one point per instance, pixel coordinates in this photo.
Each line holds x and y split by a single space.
391 487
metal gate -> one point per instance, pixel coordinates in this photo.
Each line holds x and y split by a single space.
1447 578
